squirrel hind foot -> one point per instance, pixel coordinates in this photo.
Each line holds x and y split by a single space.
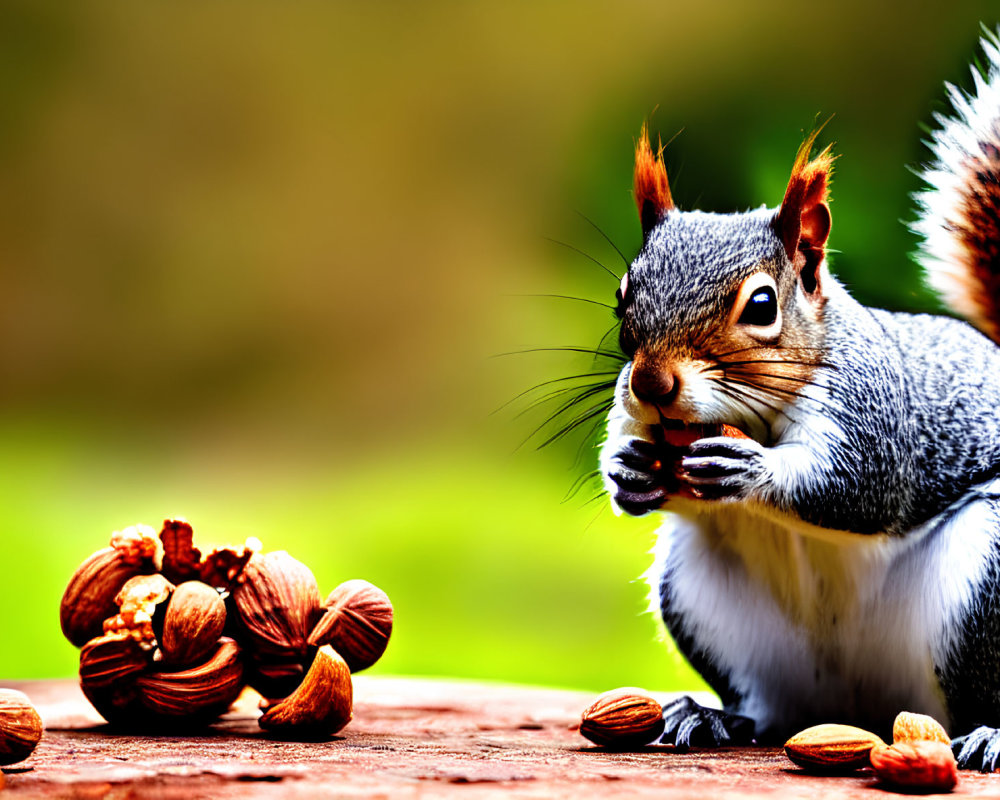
687 725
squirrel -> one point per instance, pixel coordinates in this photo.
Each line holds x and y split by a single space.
828 473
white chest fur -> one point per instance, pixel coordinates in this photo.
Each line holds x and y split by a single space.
811 628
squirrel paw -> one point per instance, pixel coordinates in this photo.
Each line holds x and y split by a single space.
978 750
636 471
721 467
688 724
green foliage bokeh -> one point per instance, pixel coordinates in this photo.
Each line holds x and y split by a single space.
258 262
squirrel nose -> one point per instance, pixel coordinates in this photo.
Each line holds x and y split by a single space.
655 386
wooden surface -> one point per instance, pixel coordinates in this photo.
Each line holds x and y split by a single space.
409 738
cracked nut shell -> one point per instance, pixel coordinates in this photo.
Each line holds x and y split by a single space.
357 623
20 727
623 718
320 706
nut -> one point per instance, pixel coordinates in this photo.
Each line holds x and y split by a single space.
137 603
90 597
182 561
831 747
273 676
278 603
205 690
20 727
357 623
928 766
320 706
910 727
623 718
193 623
111 659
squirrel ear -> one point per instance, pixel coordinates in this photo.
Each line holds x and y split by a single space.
652 190
803 221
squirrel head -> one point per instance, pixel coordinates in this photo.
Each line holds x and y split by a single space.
722 314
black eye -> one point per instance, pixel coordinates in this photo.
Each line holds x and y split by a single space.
761 309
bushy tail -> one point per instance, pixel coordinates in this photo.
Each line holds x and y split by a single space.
960 210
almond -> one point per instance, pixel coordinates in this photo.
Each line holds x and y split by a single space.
20 726
278 603
831 747
910 727
200 692
193 623
924 766
623 718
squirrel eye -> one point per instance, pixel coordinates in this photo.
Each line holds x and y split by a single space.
620 295
761 309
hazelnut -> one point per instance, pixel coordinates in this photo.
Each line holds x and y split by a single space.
278 603
194 621
923 766
320 706
623 718
356 622
20 727
201 691
90 597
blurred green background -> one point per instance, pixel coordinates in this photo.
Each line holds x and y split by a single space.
258 261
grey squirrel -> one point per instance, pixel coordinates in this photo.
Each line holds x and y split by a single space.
838 558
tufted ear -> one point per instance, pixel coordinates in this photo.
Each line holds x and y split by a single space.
649 183
803 221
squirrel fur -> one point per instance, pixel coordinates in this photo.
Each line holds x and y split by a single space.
842 562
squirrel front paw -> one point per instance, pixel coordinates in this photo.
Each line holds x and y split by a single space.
637 477
723 467
978 750
687 724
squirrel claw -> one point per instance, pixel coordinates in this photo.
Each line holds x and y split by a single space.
978 750
688 725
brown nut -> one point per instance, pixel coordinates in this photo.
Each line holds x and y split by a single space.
90 597
927 766
320 706
273 676
109 666
831 747
137 602
115 658
193 623
202 691
20 727
910 727
623 718
278 603
357 623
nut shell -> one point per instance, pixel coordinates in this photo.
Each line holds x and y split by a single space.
831 747
623 718
357 623
910 727
90 597
194 621
927 766
20 727
278 603
320 706
111 659
201 691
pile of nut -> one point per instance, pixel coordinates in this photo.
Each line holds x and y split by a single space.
919 759
170 637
